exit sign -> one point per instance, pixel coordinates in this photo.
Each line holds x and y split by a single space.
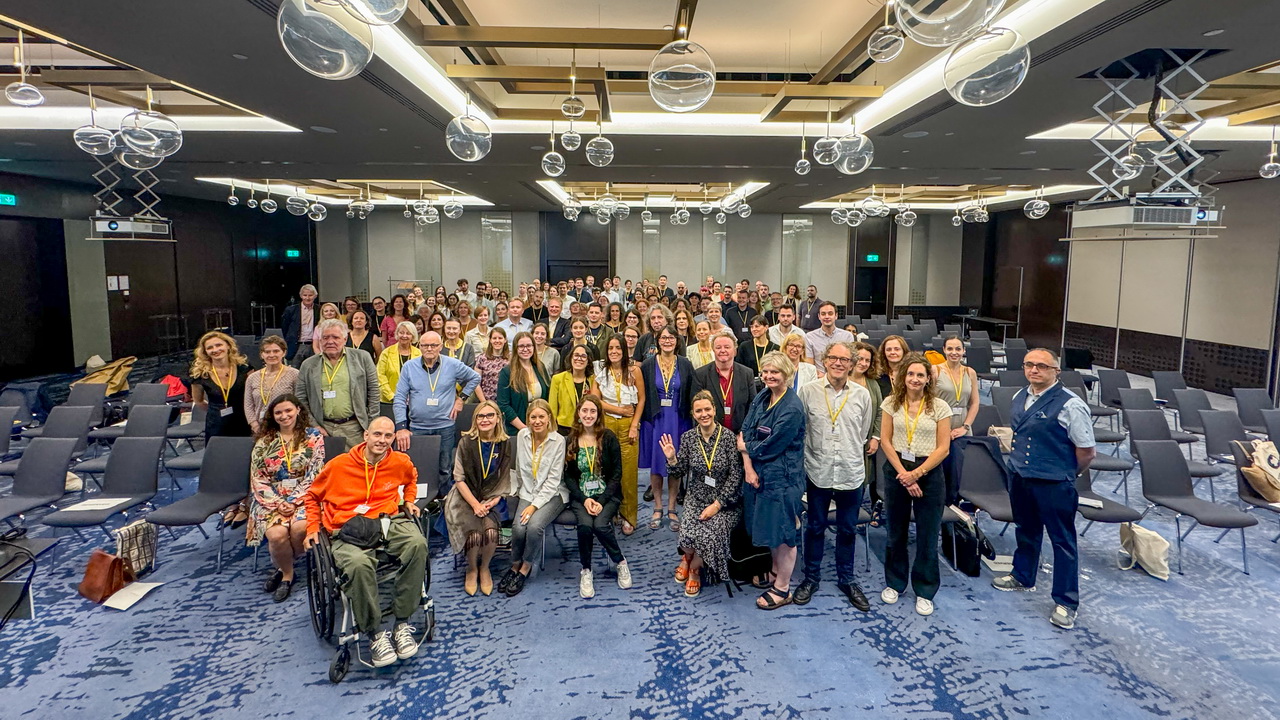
293 253
872 257
7 199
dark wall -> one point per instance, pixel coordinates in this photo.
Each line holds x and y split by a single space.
33 275
574 249
871 283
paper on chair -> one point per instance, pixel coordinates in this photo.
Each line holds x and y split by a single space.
1089 502
130 594
94 504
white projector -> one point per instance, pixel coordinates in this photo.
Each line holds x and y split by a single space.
131 228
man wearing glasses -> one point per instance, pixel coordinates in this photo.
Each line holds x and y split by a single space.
1052 444
427 400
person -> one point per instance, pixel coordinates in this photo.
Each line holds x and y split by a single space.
699 351
274 379
536 312
361 335
755 347
772 448
478 336
618 382
521 381
339 385
731 384
481 479
463 315
514 321
715 319
419 325
1053 442
557 325
633 319
328 311
391 362
664 292
348 489
713 475
429 395
775 306
659 317
435 322
593 477
568 387
218 375
287 456
454 346
668 383
578 337
792 295
682 320
839 418
817 340
956 383
809 309
298 323
451 306
495 357
349 306
379 314
631 338
785 327
548 356
793 347
915 429
738 316
613 316
463 293
415 299
537 484
391 323
892 350
864 369
597 332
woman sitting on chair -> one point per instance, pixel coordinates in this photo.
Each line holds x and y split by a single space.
481 479
593 475
537 479
287 456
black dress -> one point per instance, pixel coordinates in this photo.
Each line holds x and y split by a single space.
233 423
366 345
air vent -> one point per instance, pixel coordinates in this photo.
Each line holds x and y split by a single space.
1164 215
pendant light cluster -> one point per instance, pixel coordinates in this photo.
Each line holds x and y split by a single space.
298 204
607 208
849 155
21 92
144 140
599 149
986 64
333 39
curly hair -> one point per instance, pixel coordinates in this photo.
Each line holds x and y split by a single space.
202 366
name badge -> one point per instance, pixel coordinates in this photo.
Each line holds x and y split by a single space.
709 481
728 410
432 402
362 509
592 487
665 402
329 394
746 330
807 316
226 411
908 455
957 411
764 430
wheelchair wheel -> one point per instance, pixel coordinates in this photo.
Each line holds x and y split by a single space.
322 591
340 665
431 624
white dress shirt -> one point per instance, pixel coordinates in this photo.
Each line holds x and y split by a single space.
833 451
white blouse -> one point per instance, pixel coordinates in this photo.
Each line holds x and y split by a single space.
612 392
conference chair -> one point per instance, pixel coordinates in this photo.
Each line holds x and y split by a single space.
928 327
1101 435
1166 483
424 453
937 343
144 421
1220 428
188 431
987 416
15 398
1166 382
131 479
224 481
1013 378
8 421
880 318
90 395
41 478
333 447
905 320
1250 402
1015 343
147 394
1002 399
1270 420
982 484
1249 498
1134 399
1190 403
272 331
1112 381
1152 425
1111 512
915 339
949 329
463 422
868 325
980 335
1013 357
979 358
65 421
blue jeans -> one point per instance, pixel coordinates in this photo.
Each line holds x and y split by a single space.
847 504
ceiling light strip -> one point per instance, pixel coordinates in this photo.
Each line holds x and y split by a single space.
1015 196
281 187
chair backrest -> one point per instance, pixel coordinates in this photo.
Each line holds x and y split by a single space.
90 395
980 474
1147 425
1136 399
915 339
978 357
892 329
333 447
133 465
1246 492
148 394
8 413
986 417
70 421
928 327
148 421
868 325
1015 342
1220 428
42 472
1271 421
881 318
1250 402
272 331
980 334
1071 378
1002 398
1164 469
1190 402
463 422
1112 381
905 320
1166 382
225 467
1013 357
949 329
1077 358
424 453
1012 378
980 342
937 342
9 397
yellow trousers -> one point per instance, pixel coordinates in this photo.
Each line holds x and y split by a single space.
630 458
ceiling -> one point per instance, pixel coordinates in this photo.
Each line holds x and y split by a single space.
380 125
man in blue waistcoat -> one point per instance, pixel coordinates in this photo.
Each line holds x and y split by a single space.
1052 444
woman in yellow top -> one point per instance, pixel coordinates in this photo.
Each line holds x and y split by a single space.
568 387
392 359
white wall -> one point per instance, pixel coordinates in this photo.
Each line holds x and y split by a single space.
87 287
926 266
830 270
333 257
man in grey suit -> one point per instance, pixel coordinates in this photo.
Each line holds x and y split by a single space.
339 386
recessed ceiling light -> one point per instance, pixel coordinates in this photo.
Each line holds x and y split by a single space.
916 134
932 177
993 178
382 129
904 152
1214 33
950 134
537 147
657 149
24 143
323 129
1027 152
239 56
802 184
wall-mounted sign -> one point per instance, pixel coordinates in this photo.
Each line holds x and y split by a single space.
7 199
872 257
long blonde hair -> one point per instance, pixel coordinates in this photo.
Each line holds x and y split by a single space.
202 366
499 427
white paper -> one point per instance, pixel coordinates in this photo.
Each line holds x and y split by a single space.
113 282
1001 565
94 504
1089 502
130 594
124 282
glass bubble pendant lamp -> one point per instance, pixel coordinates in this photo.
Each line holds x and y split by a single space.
600 148
827 149
887 41
468 137
570 140
21 92
1270 170
939 23
324 37
682 76
987 68
268 204
232 200
1037 207
93 138
149 132
552 161
803 166
572 107
453 208
252 202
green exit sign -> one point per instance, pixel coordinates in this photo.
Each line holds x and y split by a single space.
872 257
7 199
293 253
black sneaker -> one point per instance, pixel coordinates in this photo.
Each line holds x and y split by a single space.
517 584
504 585
282 593
648 494
856 598
272 582
804 593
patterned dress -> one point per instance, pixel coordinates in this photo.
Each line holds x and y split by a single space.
709 538
489 366
274 481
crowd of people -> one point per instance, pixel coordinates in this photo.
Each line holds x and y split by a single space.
749 408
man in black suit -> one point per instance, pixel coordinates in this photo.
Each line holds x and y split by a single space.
557 327
298 322
724 375
738 316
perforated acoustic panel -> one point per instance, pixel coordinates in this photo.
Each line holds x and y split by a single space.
1142 352
1101 341
1219 368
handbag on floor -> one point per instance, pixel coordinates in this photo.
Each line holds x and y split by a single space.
1263 474
136 543
960 548
104 576
1145 548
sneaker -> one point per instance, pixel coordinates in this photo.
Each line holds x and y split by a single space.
272 582
856 598
888 596
804 593
381 649
282 591
1008 583
1064 617
586 586
406 646
924 607
624 575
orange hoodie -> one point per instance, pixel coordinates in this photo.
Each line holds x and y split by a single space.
341 488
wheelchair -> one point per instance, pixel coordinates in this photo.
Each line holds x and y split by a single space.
330 608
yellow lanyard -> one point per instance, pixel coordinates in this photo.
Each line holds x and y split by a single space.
959 384
911 426
576 392
453 352
217 380
775 402
538 450
288 463
368 482
835 414
666 379
702 447
262 385
591 459
432 379
329 376
486 465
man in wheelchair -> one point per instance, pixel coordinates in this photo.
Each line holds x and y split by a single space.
358 500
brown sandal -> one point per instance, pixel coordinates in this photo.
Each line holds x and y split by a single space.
694 585
768 599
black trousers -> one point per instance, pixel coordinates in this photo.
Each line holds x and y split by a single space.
899 506
598 526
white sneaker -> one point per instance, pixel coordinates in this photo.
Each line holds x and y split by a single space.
1063 617
924 607
406 645
624 575
586 587
381 649
889 596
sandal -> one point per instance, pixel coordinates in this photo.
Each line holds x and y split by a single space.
682 570
675 522
768 599
762 581
656 522
877 514
241 516
693 586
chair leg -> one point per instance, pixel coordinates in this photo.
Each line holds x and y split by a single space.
221 532
1086 528
1003 529
1244 554
1221 535
1177 525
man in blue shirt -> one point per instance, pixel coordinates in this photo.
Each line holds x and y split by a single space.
427 401
1052 444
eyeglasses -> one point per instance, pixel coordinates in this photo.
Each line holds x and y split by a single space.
841 360
486 415
1038 366
430 345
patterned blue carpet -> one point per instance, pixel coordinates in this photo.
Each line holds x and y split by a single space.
1203 645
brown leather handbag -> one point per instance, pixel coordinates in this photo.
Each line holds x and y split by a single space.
104 575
